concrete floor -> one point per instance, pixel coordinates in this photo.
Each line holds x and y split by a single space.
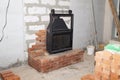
72 72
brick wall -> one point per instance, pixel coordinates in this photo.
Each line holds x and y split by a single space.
36 16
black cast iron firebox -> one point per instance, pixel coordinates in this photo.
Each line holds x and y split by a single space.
59 36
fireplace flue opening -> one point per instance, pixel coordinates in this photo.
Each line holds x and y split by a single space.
59 34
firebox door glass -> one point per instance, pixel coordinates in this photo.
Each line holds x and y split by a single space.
61 41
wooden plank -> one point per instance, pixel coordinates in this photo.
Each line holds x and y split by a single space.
115 17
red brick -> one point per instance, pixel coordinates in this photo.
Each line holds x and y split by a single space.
30 49
98 59
38 47
106 66
41 39
98 68
6 74
14 77
117 62
36 53
98 75
9 75
114 76
107 62
41 32
99 54
116 57
106 73
107 55
114 67
88 77
103 78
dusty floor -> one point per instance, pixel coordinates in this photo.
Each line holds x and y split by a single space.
72 72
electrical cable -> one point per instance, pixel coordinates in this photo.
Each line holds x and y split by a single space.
6 15
95 30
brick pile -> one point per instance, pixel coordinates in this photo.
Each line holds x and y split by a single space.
103 65
38 59
9 75
107 66
88 77
115 67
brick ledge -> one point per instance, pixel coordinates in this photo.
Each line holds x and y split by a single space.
55 61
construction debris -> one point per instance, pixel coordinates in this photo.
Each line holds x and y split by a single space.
107 67
9 75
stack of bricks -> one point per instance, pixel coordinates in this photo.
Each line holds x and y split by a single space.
115 67
9 75
103 65
38 59
39 49
107 66
98 66
40 46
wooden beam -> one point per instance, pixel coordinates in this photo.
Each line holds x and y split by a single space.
115 17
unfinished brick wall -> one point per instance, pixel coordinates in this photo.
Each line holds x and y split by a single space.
36 16
39 48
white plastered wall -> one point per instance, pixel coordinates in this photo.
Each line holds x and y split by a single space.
108 23
12 45
84 21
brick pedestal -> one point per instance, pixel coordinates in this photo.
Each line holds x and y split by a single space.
39 59
55 61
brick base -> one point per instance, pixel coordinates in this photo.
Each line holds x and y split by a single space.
55 61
